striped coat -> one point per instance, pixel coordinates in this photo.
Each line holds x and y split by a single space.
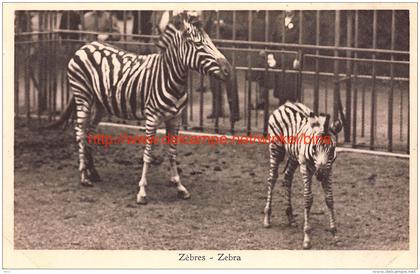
106 79
309 142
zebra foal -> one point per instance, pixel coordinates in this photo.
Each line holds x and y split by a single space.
106 79
312 148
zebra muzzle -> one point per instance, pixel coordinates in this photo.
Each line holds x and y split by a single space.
225 68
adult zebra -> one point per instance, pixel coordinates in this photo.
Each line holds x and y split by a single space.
104 78
309 141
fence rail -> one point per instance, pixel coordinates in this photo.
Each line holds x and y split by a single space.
367 87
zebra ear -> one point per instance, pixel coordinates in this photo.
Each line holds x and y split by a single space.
313 121
336 127
164 21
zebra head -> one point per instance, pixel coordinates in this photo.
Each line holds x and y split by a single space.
196 49
324 142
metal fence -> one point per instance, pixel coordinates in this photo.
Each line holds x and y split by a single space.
341 62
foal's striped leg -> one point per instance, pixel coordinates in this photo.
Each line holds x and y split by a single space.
172 128
308 196
288 178
329 200
276 156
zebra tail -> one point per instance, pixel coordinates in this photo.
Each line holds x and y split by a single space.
64 118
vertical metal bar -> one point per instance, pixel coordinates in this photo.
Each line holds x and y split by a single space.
266 97
266 26
266 76
201 101
336 65
218 94
40 66
401 114
218 87
373 100
44 69
65 70
125 28
154 19
139 22
282 61
408 122
111 19
249 74
16 75
48 68
55 72
363 109
217 24
257 93
82 22
246 98
316 84
27 82
300 75
96 18
16 65
25 62
355 72
349 64
190 98
234 84
391 91
326 95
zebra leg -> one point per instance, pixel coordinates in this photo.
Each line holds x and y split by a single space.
276 156
93 174
151 126
288 178
308 196
83 111
172 128
329 200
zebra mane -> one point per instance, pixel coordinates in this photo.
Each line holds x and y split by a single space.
174 26
166 37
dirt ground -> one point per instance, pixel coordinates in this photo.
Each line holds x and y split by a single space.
228 186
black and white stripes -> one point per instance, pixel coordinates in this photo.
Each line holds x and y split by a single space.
314 152
106 79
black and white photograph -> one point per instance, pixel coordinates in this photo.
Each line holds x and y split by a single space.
210 131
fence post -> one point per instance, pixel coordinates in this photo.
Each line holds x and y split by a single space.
373 100
347 130
336 65
201 102
316 84
355 71
300 59
249 74
42 99
391 92
16 65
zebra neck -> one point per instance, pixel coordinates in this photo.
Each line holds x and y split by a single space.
174 71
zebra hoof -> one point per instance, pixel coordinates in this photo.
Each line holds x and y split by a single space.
338 242
267 223
86 182
185 195
142 200
307 245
